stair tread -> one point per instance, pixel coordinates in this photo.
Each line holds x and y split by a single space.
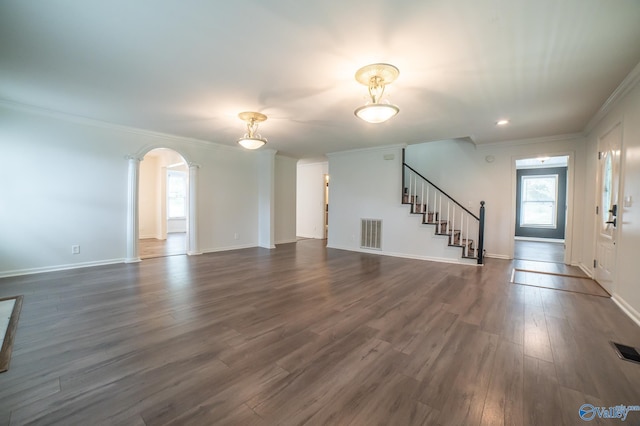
454 235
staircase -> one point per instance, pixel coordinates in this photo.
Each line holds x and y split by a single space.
449 218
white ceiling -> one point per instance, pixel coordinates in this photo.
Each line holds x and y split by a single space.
188 67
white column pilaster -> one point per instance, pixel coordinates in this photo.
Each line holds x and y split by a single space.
132 209
266 198
192 221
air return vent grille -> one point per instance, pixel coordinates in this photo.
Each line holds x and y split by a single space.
371 232
627 353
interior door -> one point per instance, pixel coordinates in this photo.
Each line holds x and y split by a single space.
607 210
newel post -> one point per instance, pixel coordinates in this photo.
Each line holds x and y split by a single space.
481 235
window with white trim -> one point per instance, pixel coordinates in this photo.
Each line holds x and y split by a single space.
176 194
538 201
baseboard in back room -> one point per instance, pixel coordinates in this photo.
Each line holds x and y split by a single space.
29 271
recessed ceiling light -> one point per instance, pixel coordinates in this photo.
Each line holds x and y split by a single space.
502 122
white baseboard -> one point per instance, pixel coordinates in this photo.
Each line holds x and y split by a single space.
228 248
461 261
287 241
497 256
583 269
626 308
148 237
539 240
314 237
54 268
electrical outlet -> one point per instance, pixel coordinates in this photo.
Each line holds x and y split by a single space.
75 249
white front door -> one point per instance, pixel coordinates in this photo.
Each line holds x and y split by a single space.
608 209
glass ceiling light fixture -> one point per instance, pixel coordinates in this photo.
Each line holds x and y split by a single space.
376 77
252 139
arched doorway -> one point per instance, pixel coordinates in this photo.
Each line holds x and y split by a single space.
161 201
163 204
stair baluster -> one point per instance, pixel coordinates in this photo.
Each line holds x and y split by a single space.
429 203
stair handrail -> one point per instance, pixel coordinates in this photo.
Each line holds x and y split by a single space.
480 219
441 191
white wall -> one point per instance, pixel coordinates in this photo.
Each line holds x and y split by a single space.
310 200
461 169
266 198
67 184
149 198
626 286
285 199
366 186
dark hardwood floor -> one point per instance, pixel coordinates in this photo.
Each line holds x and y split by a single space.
176 243
541 251
304 334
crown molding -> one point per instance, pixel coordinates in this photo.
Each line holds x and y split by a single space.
517 142
369 149
30 109
628 84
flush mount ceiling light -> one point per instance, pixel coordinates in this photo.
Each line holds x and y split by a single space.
376 77
252 139
502 122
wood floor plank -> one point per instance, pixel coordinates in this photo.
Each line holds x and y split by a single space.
427 346
437 379
356 396
307 334
293 390
571 367
572 400
536 333
504 402
198 403
465 402
395 403
542 403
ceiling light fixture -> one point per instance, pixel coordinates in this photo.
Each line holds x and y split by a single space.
502 122
252 139
376 77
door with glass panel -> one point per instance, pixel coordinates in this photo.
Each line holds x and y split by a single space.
607 208
541 199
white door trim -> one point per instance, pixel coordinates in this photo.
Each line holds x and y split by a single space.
133 196
568 233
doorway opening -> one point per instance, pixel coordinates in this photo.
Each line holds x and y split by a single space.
312 200
541 209
326 206
163 206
